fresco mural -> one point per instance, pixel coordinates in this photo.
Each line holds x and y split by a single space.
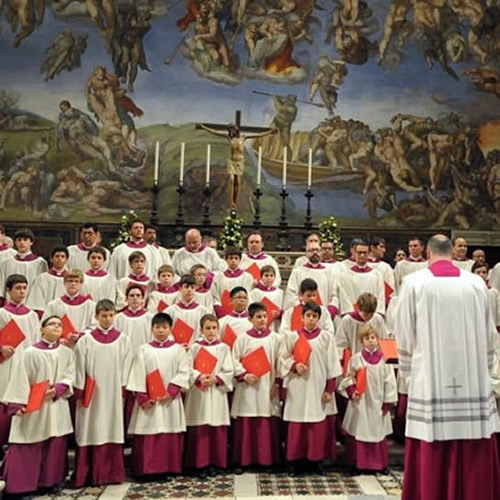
399 101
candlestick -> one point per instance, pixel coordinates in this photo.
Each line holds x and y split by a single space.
181 172
256 219
157 162
207 179
206 223
308 220
283 245
285 153
154 208
309 171
179 220
259 167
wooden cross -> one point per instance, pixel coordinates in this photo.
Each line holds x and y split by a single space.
237 122
454 386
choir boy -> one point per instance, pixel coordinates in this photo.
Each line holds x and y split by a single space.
24 261
166 290
482 269
414 262
28 322
265 289
103 359
207 409
310 364
232 277
158 422
6 250
186 311
37 454
204 281
255 407
367 421
79 308
98 283
49 285
89 239
255 255
237 319
137 276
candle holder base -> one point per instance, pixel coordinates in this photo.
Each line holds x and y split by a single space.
283 233
179 220
308 224
256 220
206 222
153 220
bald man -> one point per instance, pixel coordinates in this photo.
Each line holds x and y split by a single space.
460 258
196 252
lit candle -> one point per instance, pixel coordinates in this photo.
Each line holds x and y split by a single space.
157 162
285 153
207 179
259 167
309 170
181 173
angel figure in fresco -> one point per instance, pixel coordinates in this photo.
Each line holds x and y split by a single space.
328 78
27 15
485 79
397 27
64 53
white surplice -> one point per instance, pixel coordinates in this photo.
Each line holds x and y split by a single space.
136 326
183 260
261 260
78 257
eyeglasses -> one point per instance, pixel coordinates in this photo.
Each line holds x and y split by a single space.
55 325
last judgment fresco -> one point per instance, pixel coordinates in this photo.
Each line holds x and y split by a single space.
395 104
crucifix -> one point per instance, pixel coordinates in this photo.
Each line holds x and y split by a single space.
454 386
236 162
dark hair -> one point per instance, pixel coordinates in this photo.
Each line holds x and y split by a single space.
97 249
135 287
232 251
376 240
255 307
150 226
90 225
356 241
208 317
188 280
136 254
59 249
135 221
311 306
47 319
24 233
14 279
166 268
267 269
479 265
308 285
2 228
367 302
417 238
454 240
237 289
104 305
161 318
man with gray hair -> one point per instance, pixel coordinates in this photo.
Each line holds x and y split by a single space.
446 343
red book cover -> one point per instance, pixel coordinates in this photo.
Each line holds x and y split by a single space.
155 386
227 305
229 336
388 291
361 381
37 395
270 307
389 349
204 362
182 331
318 300
11 335
345 360
88 391
297 321
161 306
254 270
256 363
67 327
302 350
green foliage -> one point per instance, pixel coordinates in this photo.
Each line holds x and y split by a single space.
329 231
125 221
231 235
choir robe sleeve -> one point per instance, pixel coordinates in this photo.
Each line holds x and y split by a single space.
68 375
326 322
405 328
126 359
137 375
334 369
495 377
80 372
238 352
216 289
390 385
342 339
18 387
292 290
349 380
225 371
181 378
287 362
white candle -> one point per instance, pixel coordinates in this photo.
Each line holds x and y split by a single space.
207 179
259 167
309 170
157 162
181 172
285 153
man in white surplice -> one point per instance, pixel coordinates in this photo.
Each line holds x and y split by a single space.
446 342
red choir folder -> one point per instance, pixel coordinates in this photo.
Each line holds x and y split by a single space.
67 327
37 395
182 331
270 307
387 291
256 363
155 386
302 350
389 349
88 391
345 360
161 306
229 336
11 335
296 322
361 381
318 300
254 270
204 362
227 305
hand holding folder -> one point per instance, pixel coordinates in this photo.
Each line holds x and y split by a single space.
155 386
257 363
37 396
67 327
204 362
302 350
11 335
361 381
